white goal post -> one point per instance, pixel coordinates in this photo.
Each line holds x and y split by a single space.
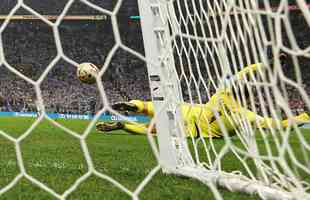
190 46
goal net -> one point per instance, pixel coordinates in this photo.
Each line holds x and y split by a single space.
229 70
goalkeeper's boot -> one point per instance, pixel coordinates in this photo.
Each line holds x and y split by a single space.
125 106
109 126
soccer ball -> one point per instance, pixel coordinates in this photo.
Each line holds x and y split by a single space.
87 72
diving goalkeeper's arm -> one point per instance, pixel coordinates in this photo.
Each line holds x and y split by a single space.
136 106
258 66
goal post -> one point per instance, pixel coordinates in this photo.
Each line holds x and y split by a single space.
192 47
164 85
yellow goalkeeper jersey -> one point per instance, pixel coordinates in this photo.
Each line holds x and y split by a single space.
200 119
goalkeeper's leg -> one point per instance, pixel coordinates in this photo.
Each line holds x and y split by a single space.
229 108
264 122
299 120
107 127
231 125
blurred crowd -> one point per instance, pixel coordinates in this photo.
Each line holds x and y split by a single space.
124 79
29 47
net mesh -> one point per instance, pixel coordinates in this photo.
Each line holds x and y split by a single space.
41 107
210 40
212 43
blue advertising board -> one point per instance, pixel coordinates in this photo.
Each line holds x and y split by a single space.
134 118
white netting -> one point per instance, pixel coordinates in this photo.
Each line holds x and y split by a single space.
41 107
210 40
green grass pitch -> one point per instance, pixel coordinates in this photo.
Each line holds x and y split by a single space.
56 159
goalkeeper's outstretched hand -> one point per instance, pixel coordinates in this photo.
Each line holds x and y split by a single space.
125 106
109 126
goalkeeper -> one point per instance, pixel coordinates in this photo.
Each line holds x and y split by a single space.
199 119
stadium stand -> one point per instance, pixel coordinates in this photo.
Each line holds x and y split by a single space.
29 47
